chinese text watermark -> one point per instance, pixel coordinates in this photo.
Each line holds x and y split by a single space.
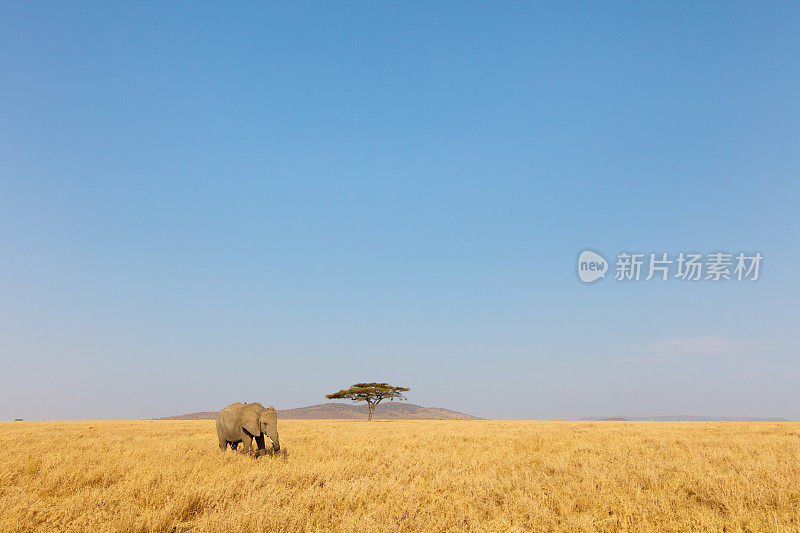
684 266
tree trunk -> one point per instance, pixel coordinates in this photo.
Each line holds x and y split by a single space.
371 408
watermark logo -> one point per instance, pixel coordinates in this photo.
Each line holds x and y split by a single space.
591 266
685 266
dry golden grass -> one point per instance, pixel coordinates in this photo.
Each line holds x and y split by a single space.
403 476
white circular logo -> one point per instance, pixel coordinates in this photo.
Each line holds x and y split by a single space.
591 266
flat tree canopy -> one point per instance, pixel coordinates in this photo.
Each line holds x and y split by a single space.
372 393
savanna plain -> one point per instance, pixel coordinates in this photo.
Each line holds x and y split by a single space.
403 476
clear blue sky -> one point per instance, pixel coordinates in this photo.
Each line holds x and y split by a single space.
202 204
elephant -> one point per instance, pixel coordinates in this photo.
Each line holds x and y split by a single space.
240 423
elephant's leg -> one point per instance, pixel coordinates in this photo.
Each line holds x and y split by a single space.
260 446
246 441
223 444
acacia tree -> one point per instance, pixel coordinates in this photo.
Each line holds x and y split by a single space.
372 393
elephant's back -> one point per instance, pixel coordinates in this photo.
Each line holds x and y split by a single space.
226 419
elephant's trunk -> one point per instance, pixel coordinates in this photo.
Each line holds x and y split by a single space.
276 445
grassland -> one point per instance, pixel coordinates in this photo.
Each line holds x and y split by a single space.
403 476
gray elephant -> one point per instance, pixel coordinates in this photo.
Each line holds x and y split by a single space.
240 423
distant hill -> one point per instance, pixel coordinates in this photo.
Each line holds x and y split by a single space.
410 411
202 415
688 418
343 411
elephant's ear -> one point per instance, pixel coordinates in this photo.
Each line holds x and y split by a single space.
249 421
